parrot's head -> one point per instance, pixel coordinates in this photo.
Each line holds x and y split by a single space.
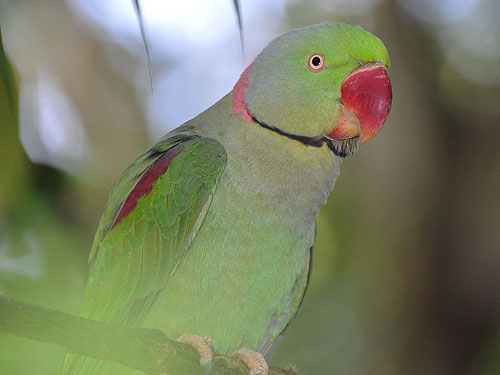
323 83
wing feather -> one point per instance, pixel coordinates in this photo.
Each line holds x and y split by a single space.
152 216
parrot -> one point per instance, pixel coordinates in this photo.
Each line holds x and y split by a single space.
208 236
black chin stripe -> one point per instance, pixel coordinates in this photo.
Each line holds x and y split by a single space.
340 147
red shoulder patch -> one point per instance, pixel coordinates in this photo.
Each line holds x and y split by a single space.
145 184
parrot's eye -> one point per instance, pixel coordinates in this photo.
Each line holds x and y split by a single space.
316 62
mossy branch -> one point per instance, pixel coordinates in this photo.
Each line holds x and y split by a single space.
147 350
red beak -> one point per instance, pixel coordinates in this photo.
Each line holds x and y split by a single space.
365 103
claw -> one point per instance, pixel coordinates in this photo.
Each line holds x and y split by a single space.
203 346
255 361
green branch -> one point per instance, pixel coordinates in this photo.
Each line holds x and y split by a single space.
147 350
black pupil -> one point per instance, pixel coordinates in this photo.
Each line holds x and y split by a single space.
316 61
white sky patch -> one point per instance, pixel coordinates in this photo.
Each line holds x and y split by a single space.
195 48
116 17
170 25
50 126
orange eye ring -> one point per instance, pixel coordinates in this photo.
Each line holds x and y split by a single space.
316 62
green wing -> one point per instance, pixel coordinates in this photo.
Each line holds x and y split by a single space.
152 216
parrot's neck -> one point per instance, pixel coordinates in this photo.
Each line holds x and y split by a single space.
265 165
342 148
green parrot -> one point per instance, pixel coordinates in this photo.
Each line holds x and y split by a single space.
210 232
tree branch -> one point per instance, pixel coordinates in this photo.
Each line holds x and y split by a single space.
147 350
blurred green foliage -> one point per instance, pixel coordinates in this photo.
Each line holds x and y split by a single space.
10 150
39 259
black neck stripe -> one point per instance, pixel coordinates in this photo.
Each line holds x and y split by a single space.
340 147
308 141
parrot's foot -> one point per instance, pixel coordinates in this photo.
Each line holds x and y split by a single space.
255 361
203 346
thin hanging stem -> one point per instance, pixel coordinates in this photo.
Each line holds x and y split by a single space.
146 44
237 9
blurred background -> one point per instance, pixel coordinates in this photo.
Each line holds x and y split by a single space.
407 262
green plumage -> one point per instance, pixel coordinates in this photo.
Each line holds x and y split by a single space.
220 246
129 262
